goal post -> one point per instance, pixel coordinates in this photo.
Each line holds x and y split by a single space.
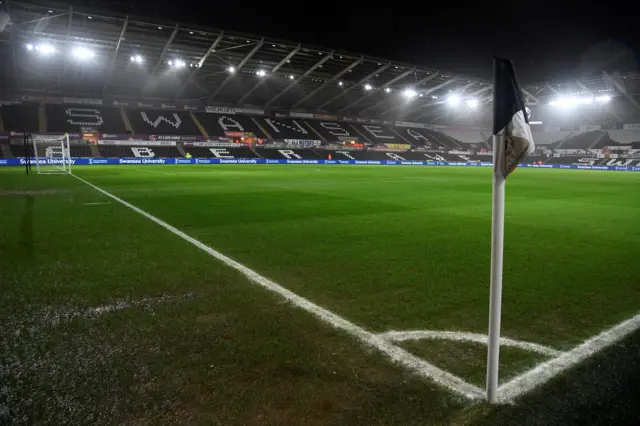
52 154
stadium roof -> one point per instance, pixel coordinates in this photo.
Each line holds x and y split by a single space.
70 52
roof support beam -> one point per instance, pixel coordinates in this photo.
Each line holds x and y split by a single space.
238 68
484 89
273 70
554 90
112 63
161 58
66 42
348 89
14 56
331 80
297 80
431 90
622 90
383 87
200 64
583 87
529 94
466 86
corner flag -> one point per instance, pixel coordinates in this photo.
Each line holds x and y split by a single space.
510 116
512 141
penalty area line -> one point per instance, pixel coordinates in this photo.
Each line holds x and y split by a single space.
396 354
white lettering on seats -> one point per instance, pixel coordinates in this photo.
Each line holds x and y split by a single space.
289 153
162 118
395 156
220 153
142 152
229 123
336 127
91 113
417 136
346 154
275 123
377 132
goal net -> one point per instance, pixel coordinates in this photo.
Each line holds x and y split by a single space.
52 154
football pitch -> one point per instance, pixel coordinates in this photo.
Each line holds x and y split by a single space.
303 294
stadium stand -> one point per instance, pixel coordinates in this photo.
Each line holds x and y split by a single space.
625 137
466 136
118 151
80 151
332 131
547 138
376 134
220 152
20 118
162 122
64 118
283 128
584 140
218 124
292 154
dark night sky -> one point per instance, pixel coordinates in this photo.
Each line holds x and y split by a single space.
546 40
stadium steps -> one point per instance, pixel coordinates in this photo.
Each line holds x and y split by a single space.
126 121
597 140
255 152
95 151
362 135
181 148
562 142
314 131
42 119
199 125
2 129
393 130
262 129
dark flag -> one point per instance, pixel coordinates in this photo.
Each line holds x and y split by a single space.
510 117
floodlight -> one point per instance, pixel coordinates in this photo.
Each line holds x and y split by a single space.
603 99
45 49
179 63
453 99
82 53
291 77
367 87
261 73
472 103
409 93
340 83
231 69
387 89
29 46
137 59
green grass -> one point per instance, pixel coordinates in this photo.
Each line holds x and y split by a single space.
389 248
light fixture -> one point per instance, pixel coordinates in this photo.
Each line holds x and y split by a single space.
472 103
179 63
159 28
340 83
137 59
191 32
367 87
29 46
231 69
45 49
291 77
387 90
261 73
603 99
453 99
82 53
410 93
89 17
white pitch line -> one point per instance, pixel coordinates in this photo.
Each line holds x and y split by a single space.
394 353
547 370
461 336
96 204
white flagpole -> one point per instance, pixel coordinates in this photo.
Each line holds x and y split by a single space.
497 247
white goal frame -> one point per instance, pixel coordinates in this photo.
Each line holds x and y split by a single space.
63 163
